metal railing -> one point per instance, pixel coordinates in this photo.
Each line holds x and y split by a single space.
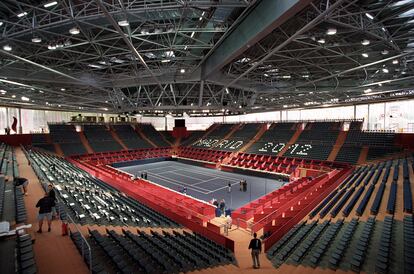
83 242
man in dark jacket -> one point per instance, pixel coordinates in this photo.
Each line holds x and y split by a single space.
256 247
45 211
52 195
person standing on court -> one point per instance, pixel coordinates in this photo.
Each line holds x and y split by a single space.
256 247
229 187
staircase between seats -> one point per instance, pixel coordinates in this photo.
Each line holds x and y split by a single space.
338 145
85 142
208 131
58 149
116 138
138 130
291 141
232 131
363 155
258 135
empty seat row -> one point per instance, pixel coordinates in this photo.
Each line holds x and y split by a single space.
384 251
358 256
343 243
89 200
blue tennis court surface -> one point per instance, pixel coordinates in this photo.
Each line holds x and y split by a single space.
205 183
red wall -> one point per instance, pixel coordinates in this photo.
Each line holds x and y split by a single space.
16 139
405 140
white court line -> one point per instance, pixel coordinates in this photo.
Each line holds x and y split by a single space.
205 181
169 180
224 187
209 174
191 177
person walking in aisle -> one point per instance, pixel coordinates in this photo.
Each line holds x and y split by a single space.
45 211
52 195
256 247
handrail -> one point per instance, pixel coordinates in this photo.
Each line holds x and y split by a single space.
83 241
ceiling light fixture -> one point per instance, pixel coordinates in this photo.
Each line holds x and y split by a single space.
384 52
13 96
365 42
123 23
385 70
7 47
74 31
321 41
22 14
369 15
1 23
24 98
50 4
365 55
182 70
395 61
192 34
331 31
2 91
165 61
368 90
36 39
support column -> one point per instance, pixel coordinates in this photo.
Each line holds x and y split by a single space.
354 111
7 118
166 124
368 118
20 121
200 97
385 116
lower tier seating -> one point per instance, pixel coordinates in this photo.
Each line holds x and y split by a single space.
165 252
91 201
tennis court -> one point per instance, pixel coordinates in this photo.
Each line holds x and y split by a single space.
205 183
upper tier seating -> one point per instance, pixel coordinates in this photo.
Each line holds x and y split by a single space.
320 132
100 138
215 137
274 139
358 137
309 151
40 141
129 137
68 138
240 137
151 133
194 136
91 201
348 154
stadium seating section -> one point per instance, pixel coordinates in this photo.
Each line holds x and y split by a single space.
100 138
274 139
130 137
68 139
155 136
158 252
344 233
91 201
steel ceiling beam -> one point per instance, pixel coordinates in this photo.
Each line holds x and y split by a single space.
129 43
266 16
